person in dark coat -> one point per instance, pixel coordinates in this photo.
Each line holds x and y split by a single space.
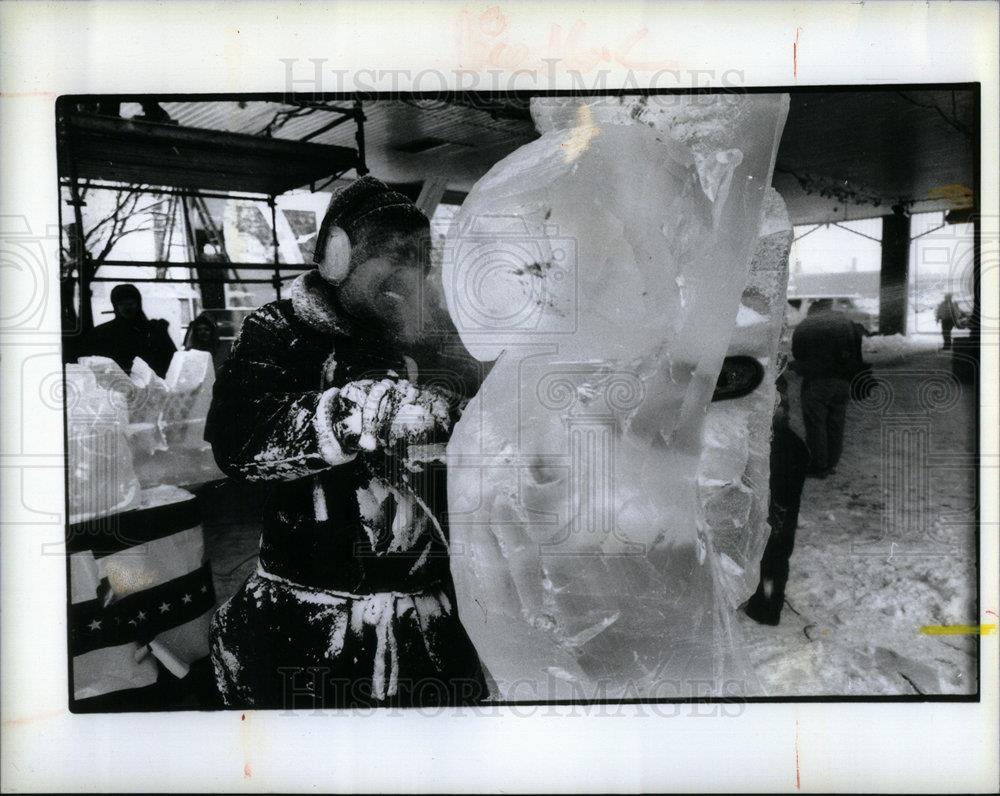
322 401
948 315
825 347
131 334
789 459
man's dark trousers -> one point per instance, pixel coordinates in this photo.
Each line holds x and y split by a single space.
789 458
824 409
946 327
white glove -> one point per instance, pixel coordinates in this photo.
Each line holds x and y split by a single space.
373 414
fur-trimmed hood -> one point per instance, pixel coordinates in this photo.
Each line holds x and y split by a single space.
314 302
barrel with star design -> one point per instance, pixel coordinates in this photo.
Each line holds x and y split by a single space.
141 592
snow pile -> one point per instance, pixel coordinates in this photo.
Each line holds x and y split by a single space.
892 348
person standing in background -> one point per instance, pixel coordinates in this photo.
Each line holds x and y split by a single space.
203 335
131 334
948 315
825 347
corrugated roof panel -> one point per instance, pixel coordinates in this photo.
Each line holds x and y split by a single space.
388 121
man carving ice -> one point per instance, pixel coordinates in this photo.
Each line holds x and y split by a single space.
322 402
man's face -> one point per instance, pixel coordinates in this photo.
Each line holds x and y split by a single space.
127 309
387 291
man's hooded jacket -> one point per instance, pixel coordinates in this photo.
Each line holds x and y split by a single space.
353 578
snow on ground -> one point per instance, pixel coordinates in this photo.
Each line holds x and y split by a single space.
855 602
888 349
852 626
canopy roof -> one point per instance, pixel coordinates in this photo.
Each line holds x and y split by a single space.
845 154
155 153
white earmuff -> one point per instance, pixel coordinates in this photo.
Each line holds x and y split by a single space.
335 262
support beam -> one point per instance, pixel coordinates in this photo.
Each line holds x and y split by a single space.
276 279
82 256
359 136
894 276
154 153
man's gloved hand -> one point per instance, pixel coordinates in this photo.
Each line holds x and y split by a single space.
379 414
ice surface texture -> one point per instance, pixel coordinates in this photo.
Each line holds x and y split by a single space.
114 419
190 379
101 479
734 467
605 261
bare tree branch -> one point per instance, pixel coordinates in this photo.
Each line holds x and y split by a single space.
113 227
121 201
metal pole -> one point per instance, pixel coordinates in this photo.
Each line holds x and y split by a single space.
166 191
190 281
265 266
276 279
189 241
894 274
168 232
163 255
189 232
359 136
86 310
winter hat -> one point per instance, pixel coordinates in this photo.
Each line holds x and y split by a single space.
370 213
123 292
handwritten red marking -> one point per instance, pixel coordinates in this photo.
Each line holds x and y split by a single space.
31 719
23 94
798 773
795 54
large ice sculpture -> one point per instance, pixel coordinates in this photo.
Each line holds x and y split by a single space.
191 377
142 393
101 479
145 407
605 261
734 468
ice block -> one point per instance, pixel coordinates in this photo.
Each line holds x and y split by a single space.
101 477
145 409
734 468
190 378
602 265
